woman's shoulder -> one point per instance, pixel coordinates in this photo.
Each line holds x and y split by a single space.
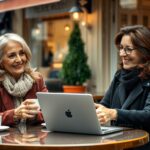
117 75
118 72
38 76
39 83
146 83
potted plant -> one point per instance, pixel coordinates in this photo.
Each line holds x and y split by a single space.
75 70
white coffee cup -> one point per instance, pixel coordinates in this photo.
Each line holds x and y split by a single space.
36 102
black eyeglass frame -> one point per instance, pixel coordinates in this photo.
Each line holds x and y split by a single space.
127 50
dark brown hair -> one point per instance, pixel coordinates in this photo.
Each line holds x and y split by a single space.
140 37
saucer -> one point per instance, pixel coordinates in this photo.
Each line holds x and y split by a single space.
3 128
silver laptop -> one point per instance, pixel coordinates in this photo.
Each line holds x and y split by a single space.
68 112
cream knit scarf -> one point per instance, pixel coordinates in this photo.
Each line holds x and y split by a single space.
18 88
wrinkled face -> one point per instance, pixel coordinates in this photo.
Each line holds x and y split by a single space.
129 55
14 59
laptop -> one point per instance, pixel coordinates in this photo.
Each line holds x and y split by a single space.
69 112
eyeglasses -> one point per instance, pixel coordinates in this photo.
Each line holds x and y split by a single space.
127 50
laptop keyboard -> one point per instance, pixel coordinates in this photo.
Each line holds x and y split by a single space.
104 129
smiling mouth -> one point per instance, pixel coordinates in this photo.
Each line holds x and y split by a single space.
18 65
126 61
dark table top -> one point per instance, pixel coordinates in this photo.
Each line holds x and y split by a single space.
37 138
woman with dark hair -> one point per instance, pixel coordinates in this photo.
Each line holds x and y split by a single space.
127 101
18 82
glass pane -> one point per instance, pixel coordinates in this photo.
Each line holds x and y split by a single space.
124 19
49 44
145 21
134 19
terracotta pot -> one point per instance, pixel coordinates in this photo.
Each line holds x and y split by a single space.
74 89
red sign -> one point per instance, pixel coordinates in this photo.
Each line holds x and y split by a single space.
7 5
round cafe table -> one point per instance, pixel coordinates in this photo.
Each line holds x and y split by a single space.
38 138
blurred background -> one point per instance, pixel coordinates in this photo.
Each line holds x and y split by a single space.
46 26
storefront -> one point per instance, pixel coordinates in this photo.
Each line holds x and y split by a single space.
46 28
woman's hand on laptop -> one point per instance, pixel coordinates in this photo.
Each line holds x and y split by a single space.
105 114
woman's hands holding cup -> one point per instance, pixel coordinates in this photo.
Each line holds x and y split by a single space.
28 109
105 114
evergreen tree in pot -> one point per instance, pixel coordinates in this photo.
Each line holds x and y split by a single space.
75 70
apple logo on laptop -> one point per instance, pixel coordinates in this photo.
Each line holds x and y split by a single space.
68 113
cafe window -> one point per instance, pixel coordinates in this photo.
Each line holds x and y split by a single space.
137 15
145 21
134 19
49 44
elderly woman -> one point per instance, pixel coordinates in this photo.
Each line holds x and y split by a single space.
18 82
127 101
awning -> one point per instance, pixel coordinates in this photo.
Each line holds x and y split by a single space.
8 5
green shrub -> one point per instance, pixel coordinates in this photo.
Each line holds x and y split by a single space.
75 70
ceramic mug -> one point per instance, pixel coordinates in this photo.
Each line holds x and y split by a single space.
36 102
